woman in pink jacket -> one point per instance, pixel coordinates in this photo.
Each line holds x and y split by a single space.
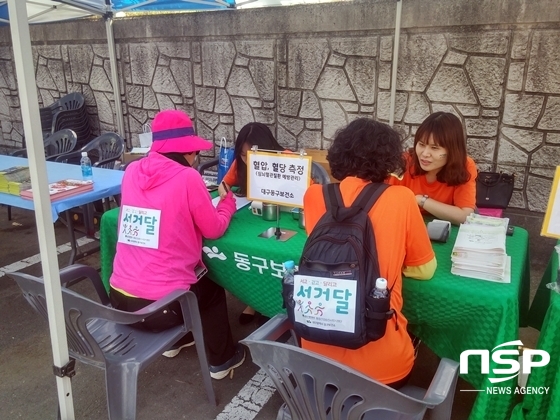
177 213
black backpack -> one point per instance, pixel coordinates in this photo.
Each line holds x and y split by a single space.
342 246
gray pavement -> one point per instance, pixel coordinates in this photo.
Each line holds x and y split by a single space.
169 388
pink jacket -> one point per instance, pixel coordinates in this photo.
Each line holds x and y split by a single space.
187 215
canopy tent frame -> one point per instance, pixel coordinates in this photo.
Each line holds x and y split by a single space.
21 41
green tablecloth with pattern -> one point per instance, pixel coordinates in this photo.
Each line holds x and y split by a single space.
540 302
545 316
449 313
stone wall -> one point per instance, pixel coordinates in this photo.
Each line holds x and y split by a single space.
308 70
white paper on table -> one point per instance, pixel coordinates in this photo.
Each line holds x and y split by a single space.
240 202
476 273
139 150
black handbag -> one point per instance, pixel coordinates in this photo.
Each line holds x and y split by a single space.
494 189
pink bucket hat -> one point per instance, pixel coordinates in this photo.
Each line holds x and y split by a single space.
172 131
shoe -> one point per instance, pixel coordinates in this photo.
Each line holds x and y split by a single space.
247 318
220 372
186 341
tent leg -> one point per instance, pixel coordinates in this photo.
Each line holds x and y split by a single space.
115 76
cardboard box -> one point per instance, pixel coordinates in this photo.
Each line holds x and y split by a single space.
130 157
320 156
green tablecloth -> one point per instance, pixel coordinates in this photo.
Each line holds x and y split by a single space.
449 313
545 406
541 300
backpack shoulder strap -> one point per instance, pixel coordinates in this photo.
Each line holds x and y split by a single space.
333 197
369 196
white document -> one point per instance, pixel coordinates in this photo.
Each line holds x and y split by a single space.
481 238
481 274
240 202
480 251
479 219
480 258
139 150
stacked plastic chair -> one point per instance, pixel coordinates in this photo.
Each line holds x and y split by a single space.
67 112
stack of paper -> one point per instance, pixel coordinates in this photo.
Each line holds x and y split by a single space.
63 189
480 249
14 180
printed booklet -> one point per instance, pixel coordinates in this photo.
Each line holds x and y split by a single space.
62 189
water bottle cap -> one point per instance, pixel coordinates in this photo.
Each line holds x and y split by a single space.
84 154
381 283
288 265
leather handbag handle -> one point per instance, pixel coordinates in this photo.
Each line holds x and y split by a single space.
490 180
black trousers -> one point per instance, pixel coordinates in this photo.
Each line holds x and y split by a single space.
213 314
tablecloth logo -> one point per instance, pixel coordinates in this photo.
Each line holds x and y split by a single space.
214 252
530 358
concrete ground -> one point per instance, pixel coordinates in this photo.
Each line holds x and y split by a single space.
169 388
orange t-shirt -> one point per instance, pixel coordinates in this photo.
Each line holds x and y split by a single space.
462 196
230 177
402 240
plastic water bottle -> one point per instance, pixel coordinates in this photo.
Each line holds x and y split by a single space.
289 271
380 290
87 171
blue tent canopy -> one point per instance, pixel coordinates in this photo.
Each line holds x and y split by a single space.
40 11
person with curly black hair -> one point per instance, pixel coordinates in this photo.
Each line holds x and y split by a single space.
439 171
363 152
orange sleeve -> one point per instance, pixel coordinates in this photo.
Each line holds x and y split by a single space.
418 246
314 205
465 195
230 177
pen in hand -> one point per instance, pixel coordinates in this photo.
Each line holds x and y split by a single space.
225 187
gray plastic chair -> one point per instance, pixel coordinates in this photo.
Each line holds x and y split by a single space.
103 151
314 387
100 336
59 143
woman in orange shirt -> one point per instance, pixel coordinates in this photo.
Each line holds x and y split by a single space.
252 134
439 172
368 151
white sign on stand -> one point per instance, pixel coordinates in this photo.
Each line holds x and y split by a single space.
278 178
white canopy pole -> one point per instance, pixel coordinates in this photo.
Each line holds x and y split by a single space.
115 75
21 42
395 63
